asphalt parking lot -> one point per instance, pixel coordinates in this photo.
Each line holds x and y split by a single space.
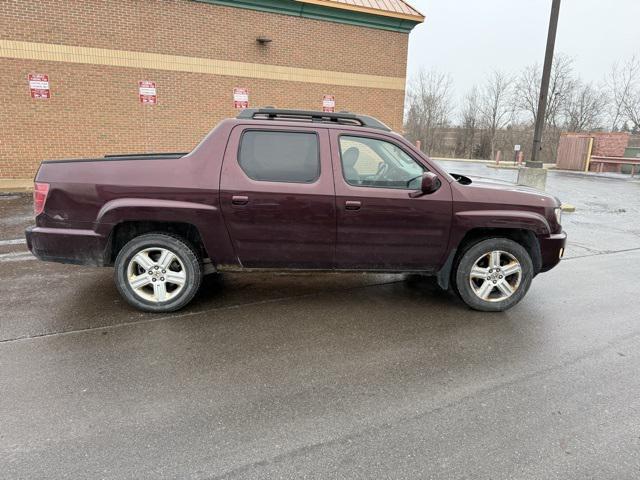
330 376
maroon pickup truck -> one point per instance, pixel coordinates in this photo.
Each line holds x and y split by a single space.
292 190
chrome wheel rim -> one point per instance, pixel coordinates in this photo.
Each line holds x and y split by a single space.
495 276
156 274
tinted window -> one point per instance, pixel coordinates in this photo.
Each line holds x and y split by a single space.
370 162
272 156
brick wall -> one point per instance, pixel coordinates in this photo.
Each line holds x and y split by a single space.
610 144
94 109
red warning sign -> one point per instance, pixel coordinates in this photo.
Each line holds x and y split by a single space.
240 97
147 92
329 103
39 85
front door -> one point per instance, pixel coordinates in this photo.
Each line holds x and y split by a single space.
379 226
277 197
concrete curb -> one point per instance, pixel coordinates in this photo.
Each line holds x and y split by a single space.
16 185
465 160
568 208
608 175
548 166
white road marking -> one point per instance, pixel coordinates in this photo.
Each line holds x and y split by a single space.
15 241
16 256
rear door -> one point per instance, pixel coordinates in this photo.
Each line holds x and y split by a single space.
379 226
278 198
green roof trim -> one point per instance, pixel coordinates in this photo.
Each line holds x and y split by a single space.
319 12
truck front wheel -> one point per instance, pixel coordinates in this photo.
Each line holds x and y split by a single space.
493 274
158 272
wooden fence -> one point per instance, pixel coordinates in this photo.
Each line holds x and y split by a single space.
574 152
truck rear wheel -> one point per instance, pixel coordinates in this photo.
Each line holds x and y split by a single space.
158 272
493 274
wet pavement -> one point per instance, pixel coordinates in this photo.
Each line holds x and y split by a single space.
329 376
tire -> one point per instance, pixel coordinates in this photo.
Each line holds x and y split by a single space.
477 265
150 279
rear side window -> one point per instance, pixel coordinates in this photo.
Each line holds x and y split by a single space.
277 156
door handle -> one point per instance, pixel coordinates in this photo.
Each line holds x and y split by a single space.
239 199
352 205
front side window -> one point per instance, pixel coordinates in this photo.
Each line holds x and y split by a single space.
369 162
278 156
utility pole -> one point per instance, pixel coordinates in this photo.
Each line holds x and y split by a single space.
535 162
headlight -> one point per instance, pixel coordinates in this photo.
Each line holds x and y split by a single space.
558 212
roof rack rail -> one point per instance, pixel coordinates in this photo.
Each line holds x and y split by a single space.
313 116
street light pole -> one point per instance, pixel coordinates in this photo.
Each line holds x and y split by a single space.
544 86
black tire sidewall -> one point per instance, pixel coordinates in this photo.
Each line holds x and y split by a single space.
179 247
469 257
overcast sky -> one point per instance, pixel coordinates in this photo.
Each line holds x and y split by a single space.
467 38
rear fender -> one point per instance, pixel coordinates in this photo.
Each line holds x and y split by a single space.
206 218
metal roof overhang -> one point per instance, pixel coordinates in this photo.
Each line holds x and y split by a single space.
330 11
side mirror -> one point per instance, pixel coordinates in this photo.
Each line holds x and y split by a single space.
430 183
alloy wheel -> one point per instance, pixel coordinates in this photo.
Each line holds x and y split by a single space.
156 274
495 276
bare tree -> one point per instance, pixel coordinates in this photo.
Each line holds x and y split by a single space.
623 85
527 90
501 111
583 108
632 104
429 107
469 123
632 110
495 105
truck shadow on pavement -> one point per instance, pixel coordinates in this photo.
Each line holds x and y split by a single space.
359 305
310 328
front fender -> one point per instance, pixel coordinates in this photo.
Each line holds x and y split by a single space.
520 219
466 221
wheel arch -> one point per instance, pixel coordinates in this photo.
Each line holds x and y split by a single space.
201 223
127 230
525 237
